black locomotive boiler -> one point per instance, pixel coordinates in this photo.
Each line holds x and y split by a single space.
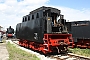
10 32
41 31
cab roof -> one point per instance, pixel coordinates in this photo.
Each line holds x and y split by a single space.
53 10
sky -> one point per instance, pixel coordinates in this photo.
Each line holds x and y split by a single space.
12 11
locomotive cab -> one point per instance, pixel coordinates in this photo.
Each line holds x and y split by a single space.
56 31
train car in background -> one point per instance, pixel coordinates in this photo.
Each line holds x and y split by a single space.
81 33
41 31
10 32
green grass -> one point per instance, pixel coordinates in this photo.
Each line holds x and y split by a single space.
18 54
3 41
83 52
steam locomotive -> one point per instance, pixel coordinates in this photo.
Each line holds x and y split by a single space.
10 32
40 30
81 33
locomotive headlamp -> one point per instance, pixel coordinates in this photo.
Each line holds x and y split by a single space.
48 18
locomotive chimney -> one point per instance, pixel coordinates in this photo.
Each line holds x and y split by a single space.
61 16
62 20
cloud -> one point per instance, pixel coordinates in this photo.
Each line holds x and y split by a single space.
12 11
75 14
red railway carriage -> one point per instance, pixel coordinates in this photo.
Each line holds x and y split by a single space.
41 31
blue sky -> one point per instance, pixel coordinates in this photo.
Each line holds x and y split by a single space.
12 11
75 4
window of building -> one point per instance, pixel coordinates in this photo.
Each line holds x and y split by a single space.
28 18
32 16
37 16
25 18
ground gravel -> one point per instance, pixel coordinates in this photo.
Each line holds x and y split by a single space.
4 55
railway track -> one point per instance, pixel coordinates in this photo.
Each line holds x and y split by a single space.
68 56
